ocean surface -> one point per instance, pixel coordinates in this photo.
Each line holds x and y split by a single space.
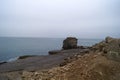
11 48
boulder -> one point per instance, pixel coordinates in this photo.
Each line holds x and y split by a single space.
108 39
70 43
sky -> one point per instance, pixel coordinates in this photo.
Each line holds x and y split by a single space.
60 18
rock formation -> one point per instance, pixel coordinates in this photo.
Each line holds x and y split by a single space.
110 48
70 43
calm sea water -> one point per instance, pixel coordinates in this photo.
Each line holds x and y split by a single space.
14 47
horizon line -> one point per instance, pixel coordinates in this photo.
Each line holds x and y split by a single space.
45 37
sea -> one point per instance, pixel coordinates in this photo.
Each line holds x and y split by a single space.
13 47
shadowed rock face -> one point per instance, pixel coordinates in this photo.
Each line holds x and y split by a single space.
70 43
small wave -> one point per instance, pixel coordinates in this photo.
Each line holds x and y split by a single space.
13 59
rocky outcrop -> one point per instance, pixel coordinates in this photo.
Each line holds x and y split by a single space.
54 52
26 56
110 48
2 62
70 43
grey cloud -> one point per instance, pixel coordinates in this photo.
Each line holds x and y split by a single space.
60 18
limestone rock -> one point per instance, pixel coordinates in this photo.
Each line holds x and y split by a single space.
70 43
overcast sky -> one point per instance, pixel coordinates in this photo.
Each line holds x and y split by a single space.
60 18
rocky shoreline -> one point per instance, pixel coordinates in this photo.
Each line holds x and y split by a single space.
99 62
42 62
38 63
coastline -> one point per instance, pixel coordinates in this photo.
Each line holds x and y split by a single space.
15 47
101 61
36 61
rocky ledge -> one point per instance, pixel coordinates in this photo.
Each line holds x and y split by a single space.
99 62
